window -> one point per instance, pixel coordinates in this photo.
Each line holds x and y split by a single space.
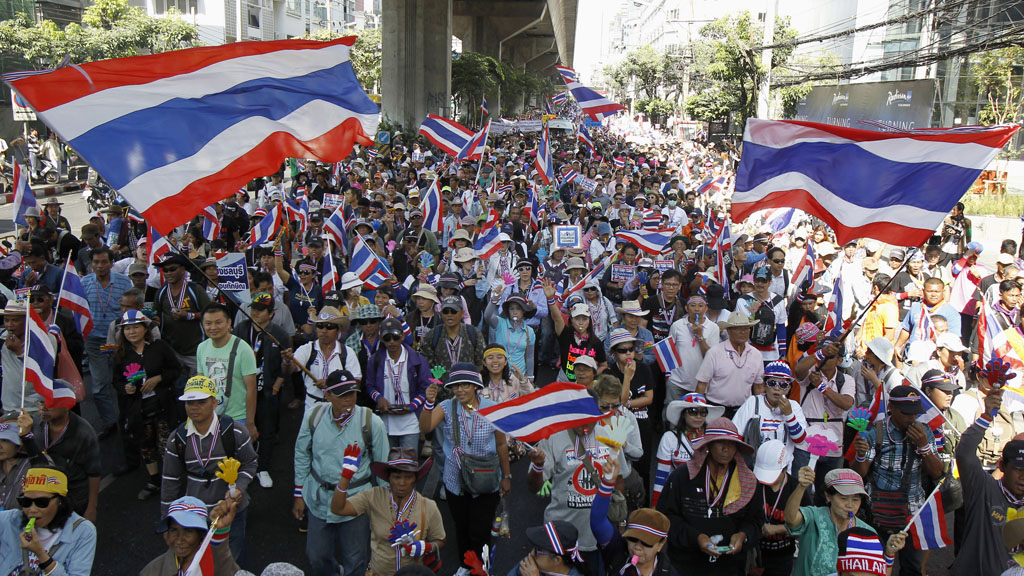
254 16
293 7
182 6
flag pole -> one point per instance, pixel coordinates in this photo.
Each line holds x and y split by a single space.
26 339
480 164
918 513
60 293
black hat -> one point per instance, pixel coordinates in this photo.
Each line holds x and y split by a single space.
906 399
315 243
555 537
937 379
1013 454
716 297
341 382
453 302
173 259
391 326
41 289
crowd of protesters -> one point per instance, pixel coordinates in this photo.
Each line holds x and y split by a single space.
720 470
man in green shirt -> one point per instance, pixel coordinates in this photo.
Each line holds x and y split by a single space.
230 362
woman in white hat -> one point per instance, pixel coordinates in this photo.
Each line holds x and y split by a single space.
687 419
424 317
351 288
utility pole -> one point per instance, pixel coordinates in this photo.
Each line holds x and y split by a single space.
763 93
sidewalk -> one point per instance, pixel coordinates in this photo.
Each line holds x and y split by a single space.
46 190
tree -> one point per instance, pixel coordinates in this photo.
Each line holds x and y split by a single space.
473 75
724 59
640 75
111 29
790 94
517 85
656 109
709 105
998 75
365 56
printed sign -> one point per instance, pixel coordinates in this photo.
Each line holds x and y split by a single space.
530 125
232 276
588 185
663 265
623 272
22 112
567 237
332 201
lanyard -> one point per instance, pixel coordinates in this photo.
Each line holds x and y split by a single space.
46 436
181 297
397 514
327 361
344 419
394 370
256 338
454 348
709 484
665 313
468 423
370 350
770 513
1010 497
214 431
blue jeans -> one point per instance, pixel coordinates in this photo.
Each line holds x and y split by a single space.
324 541
825 464
411 441
236 540
102 374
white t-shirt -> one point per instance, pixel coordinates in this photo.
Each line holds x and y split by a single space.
323 365
399 393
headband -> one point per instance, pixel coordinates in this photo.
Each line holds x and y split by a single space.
495 349
697 298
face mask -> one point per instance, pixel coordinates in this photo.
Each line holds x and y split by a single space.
671 203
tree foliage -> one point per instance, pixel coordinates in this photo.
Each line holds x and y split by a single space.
723 59
998 76
366 54
111 29
519 84
641 73
656 109
473 75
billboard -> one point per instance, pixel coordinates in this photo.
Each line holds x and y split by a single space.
904 104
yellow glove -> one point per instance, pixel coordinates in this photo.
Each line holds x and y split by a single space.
228 470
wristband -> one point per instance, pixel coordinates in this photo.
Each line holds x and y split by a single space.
297 492
428 407
924 450
889 560
820 355
47 564
860 458
278 253
552 301
536 469
340 489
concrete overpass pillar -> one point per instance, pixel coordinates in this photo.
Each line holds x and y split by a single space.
483 38
416 61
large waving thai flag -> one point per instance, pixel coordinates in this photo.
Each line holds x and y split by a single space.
536 416
72 297
370 268
591 103
558 99
430 202
474 148
583 135
448 135
892 186
545 167
40 355
265 230
650 242
24 198
176 131
211 224
928 528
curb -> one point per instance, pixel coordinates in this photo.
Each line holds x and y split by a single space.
56 190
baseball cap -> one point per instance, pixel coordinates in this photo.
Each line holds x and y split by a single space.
937 379
579 309
340 382
199 387
263 301
584 360
9 432
391 326
906 399
869 263
897 254
137 268
762 273
187 512
950 342
647 525
1004 259
845 481
772 459
451 303
1013 453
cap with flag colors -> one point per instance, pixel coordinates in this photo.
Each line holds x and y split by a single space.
895 186
555 407
448 135
176 131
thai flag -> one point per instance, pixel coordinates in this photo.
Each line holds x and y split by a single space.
483 106
336 174
931 417
40 359
619 162
597 272
532 206
834 318
474 148
723 246
591 103
570 176
803 275
329 278
650 242
857 180
547 106
712 184
134 216
370 267
337 226
684 171
928 528
780 218
176 131
506 189
72 297
925 330
430 202
556 407
298 210
652 221
211 224
265 230
468 199
583 135
487 243
448 135
559 99
667 355
24 198
863 555
159 247
372 154
545 166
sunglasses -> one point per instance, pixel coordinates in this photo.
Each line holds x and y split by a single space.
326 326
366 321
632 540
609 407
305 272
779 261
391 337
697 411
590 289
625 350
449 311
172 268
777 384
25 501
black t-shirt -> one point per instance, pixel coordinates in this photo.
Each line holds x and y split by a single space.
570 350
77 452
638 386
659 321
900 284
774 505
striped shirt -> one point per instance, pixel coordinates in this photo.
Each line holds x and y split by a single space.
476 438
195 479
105 302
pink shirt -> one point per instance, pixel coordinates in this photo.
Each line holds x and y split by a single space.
729 374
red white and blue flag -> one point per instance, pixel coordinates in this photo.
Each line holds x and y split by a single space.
430 202
24 198
667 355
896 187
366 264
592 103
558 99
834 317
556 407
650 242
597 272
329 278
779 219
803 275
583 135
176 131
533 207
619 162
543 163
711 184
40 359
337 226
211 224
924 329
265 230
723 246
487 242
928 528
483 105
474 148
570 175
298 211
72 297
159 247
448 135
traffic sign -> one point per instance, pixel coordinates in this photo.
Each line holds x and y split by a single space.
383 143
22 112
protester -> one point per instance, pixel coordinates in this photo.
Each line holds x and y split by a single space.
732 368
397 378
554 551
184 527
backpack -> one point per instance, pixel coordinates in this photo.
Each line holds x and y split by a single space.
314 420
227 440
763 333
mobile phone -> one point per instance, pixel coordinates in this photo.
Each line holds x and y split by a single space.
723 549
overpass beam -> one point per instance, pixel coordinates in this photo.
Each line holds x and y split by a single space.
416 61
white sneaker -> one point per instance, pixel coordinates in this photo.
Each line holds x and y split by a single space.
462 571
265 480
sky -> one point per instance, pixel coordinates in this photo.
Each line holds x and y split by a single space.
592 18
